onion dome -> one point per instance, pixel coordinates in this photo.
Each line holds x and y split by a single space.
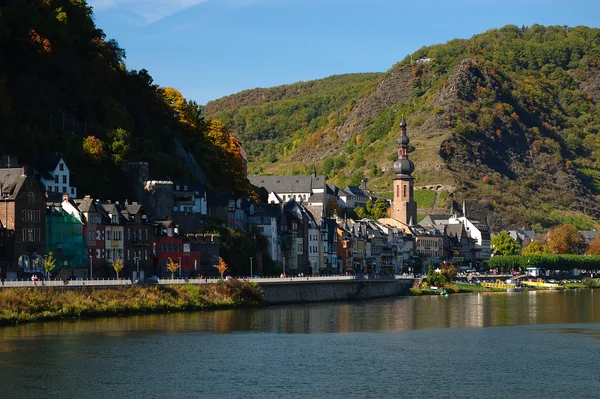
403 122
403 166
403 140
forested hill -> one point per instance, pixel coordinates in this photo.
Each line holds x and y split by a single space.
64 88
274 121
509 117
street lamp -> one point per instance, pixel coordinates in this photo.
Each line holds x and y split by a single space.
251 267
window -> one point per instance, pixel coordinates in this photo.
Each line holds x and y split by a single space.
64 189
146 234
23 215
72 190
129 234
24 233
404 188
50 188
61 166
134 235
56 179
38 235
128 254
64 179
30 235
37 216
56 188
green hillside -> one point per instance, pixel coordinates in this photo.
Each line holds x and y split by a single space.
508 120
64 88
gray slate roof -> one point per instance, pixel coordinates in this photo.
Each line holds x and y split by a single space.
11 181
289 184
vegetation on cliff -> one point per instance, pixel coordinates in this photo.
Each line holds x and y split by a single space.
64 88
39 303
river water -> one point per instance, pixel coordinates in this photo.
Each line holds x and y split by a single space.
492 345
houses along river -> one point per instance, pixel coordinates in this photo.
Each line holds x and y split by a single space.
528 344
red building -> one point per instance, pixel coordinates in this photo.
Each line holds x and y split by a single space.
169 244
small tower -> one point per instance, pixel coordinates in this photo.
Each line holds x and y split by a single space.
404 208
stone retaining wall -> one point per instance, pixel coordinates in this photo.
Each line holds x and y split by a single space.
327 291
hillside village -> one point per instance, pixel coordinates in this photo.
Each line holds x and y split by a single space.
303 224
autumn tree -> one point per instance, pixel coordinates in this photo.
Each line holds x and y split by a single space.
172 266
566 239
594 247
503 245
49 263
221 267
118 266
93 148
536 247
189 113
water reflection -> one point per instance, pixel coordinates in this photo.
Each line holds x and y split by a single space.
397 314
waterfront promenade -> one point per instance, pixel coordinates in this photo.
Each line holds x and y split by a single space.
113 282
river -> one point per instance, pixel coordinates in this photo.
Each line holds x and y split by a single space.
494 345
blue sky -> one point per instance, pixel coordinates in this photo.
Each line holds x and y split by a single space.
211 48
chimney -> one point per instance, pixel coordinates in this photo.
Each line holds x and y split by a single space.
65 197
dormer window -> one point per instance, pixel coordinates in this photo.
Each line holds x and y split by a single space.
61 166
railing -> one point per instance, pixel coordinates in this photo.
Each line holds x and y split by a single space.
112 282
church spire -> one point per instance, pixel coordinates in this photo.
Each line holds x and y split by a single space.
404 208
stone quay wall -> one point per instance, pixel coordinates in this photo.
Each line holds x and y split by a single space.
298 291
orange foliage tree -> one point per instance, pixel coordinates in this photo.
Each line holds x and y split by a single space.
594 248
221 267
92 147
565 239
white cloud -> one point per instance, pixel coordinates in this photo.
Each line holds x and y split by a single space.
148 10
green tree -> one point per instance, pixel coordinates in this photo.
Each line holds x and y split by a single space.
356 178
373 210
379 208
503 245
119 146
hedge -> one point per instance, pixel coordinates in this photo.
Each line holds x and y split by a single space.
551 262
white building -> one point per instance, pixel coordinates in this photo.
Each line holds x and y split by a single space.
55 175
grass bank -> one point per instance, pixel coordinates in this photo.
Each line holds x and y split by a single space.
19 305
455 288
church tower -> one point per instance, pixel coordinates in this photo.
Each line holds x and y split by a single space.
404 208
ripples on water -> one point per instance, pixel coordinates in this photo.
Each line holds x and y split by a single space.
545 345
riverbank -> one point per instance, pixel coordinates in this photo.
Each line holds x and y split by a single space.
20 305
461 288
